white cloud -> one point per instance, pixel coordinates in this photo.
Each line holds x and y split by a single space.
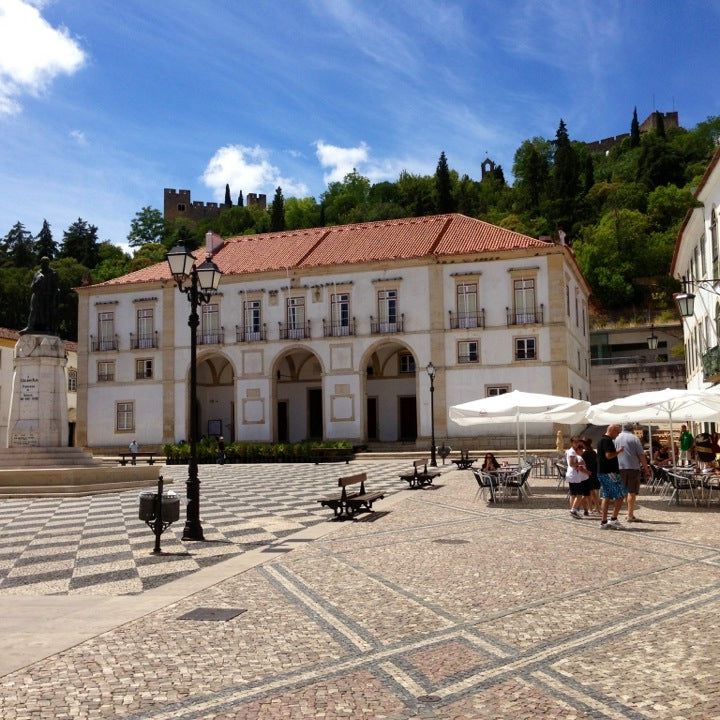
247 169
78 136
32 53
340 160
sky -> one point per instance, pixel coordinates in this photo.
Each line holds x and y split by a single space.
105 103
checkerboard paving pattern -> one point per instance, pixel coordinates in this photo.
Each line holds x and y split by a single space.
97 544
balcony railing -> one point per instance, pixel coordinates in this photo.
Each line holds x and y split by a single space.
338 329
143 342
297 331
103 344
108 376
467 319
711 364
215 337
384 327
525 317
471 358
248 335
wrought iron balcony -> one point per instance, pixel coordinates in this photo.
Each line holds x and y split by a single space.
338 329
103 344
215 337
385 327
467 319
248 335
143 342
711 364
525 317
296 331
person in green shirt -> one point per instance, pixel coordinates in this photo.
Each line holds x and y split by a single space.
686 443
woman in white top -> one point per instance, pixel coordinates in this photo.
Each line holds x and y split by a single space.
576 476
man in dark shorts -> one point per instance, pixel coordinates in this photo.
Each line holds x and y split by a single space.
633 465
611 487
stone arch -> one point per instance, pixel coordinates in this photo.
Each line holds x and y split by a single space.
297 373
390 391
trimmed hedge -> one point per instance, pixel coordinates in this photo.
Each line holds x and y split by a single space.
245 452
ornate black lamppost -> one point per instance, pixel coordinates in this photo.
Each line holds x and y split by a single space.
431 374
199 283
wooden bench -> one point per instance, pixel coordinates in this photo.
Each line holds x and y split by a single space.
465 460
348 503
333 455
126 457
420 475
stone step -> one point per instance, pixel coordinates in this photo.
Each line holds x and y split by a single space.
57 457
75 490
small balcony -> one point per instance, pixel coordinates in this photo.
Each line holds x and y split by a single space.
711 365
296 331
338 329
214 337
246 335
144 342
103 344
525 317
386 327
464 320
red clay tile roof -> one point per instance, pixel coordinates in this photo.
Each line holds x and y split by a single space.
436 235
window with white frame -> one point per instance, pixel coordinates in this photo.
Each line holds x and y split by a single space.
525 348
252 319
72 380
144 369
406 363
493 390
340 313
210 324
467 305
145 328
524 299
468 351
106 331
125 416
106 371
387 310
296 317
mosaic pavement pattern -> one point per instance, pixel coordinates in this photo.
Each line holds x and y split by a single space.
98 545
443 608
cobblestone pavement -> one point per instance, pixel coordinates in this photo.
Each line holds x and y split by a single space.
443 607
98 545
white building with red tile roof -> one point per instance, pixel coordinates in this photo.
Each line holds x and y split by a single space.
8 340
326 333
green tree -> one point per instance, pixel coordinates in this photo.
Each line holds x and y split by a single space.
112 263
45 246
277 212
531 170
147 255
302 213
240 201
443 189
634 130
660 125
228 199
148 226
659 163
346 201
19 247
80 241
70 275
565 167
667 206
15 296
415 194
589 173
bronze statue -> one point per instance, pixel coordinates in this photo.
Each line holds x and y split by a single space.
43 301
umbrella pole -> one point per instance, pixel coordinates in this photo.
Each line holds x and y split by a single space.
525 438
517 430
672 439
650 436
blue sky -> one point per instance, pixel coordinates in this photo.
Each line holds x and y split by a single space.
105 103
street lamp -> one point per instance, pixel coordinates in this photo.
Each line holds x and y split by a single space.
198 283
431 374
652 341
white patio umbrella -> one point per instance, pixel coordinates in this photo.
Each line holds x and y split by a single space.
518 406
659 406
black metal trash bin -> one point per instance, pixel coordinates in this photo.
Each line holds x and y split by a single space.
147 505
170 506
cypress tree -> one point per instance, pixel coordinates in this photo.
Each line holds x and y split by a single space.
240 199
277 214
660 124
443 196
19 247
80 241
634 130
589 172
566 173
228 201
45 246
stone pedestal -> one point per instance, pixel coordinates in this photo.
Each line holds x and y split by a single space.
38 406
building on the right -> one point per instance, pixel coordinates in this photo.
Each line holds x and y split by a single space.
696 263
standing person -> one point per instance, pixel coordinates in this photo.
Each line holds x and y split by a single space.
703 448
590 459
686 443
576 476
221 450
134 450
611 487
633 464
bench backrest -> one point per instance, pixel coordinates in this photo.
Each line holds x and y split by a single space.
417 464
352 479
